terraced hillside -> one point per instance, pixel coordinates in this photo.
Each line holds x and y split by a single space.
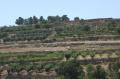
39 48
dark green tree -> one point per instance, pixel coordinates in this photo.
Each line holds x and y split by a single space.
30 20
54 19
19 21
100 73
64 18
90 71
51 19
70 70
35 20
58 19
26 22
42 20
67 56
114 70
76 19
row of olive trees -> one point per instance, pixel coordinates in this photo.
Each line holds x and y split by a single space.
29 35
72 70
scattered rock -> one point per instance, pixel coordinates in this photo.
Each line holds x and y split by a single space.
3 74
23 73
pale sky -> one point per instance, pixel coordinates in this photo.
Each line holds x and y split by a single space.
86 9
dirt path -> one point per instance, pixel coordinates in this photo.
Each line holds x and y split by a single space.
33 49
59 46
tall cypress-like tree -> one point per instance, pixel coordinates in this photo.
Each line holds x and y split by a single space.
35 20
42 20
30 20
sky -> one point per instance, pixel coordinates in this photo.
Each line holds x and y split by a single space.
10 10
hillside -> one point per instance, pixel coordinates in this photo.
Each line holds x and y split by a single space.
54 30
37 47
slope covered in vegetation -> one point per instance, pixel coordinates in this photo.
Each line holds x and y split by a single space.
57 47
56 28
